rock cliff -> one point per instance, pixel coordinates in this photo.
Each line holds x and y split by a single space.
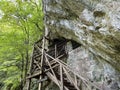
95 24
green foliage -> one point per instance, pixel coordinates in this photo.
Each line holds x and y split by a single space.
21 24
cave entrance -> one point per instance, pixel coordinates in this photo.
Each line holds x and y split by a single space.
59 46
75 44
49 64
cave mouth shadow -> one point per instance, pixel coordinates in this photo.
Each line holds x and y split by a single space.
61 44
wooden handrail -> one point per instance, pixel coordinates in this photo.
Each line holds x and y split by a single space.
85 81
53 61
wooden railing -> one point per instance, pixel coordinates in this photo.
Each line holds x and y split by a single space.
57 70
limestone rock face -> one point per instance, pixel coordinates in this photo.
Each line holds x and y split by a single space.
95 24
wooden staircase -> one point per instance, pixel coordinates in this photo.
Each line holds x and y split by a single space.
50 63
66 82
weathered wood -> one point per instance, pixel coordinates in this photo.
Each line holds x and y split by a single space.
42 56
34 75
38 73
53 78
43 79
79 76
67 76
57 82
50 61
70 78
55 50
51 68
61 78
28 84
75 79
39 66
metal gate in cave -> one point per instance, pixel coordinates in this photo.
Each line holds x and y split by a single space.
49 64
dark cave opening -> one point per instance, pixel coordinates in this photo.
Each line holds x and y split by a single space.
75 44
63 41
61 44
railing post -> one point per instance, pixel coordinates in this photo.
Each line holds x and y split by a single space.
61 77
28 84
55 51
42 57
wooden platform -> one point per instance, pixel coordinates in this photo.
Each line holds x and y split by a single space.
50 64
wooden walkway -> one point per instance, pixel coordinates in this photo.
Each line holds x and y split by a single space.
50 64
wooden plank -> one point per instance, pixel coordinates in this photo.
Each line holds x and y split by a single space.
61 78
57 82
49 65
28 84
36 56
66 66
51 68
42 56
34 75
53 62
44 71
70 78
39 48
55 59
75 79
53 78
55 50
39 66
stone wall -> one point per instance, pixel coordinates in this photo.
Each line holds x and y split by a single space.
95 24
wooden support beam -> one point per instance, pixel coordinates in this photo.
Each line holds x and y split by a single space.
85 81
34 75
61 78
63 68
53 78
38 73
55 50
42 57
39 66
70 78
28 84
39 48
51 68
37 56
75 79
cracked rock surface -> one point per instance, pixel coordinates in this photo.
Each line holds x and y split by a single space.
95 24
